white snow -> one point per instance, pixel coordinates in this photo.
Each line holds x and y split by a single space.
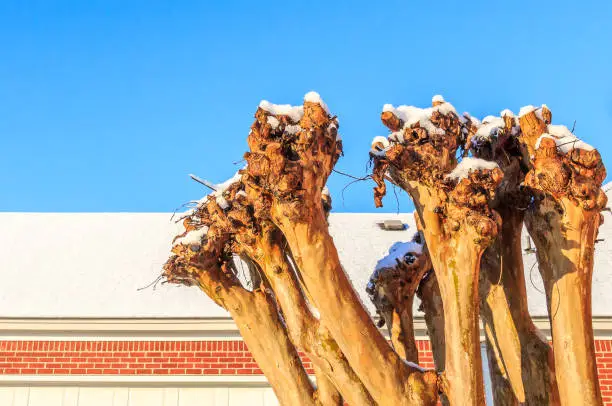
385 144
325 191
222 187
488 119
222 202
397 136
468 165
490 127
445 108
414 366
526 110
292 128
273 121
565 140
559 131
314 97
541 137
219 189
506 112
438 98
331 127
411 115
476 122
295 113
194 237
397 252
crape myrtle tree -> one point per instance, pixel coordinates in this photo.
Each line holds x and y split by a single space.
474 185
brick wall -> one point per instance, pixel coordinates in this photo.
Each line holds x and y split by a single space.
603 354
179 358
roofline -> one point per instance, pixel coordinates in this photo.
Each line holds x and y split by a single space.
183 329
162 381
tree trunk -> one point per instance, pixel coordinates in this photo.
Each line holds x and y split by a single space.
287 170
457 268
457 224
305 330
327 394
256 316
456 262
563 221
402 333
392 381
565 258
257 319
520 359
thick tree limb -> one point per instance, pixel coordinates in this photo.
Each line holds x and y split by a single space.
457 224
199 260
305 330
289 169
520 359
563 222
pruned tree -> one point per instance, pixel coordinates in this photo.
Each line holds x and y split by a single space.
260 247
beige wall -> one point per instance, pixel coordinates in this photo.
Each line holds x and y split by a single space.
135 396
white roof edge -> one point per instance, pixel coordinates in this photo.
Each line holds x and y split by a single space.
185 329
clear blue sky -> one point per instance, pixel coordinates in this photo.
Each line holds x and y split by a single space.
108 105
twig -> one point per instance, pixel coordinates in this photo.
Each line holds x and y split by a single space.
531 278
396 198
350 183
154 283
203 182
351 176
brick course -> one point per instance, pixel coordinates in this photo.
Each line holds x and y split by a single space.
180 358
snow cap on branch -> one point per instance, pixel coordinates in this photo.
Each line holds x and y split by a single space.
563 137
294 113
399 252
314 97
467 165
379 145
193 237
490 127
411 115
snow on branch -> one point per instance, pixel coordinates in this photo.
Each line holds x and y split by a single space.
467 165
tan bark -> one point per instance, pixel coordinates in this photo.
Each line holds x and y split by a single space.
433 310
520 359
288 171
327 394
263 246
392 381
563 222
305 330
457 224
256 317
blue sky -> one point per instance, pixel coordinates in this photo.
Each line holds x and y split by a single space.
108 105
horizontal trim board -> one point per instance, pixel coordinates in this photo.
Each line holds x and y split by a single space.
137 380
156 329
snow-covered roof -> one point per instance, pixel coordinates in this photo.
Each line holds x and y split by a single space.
93 264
